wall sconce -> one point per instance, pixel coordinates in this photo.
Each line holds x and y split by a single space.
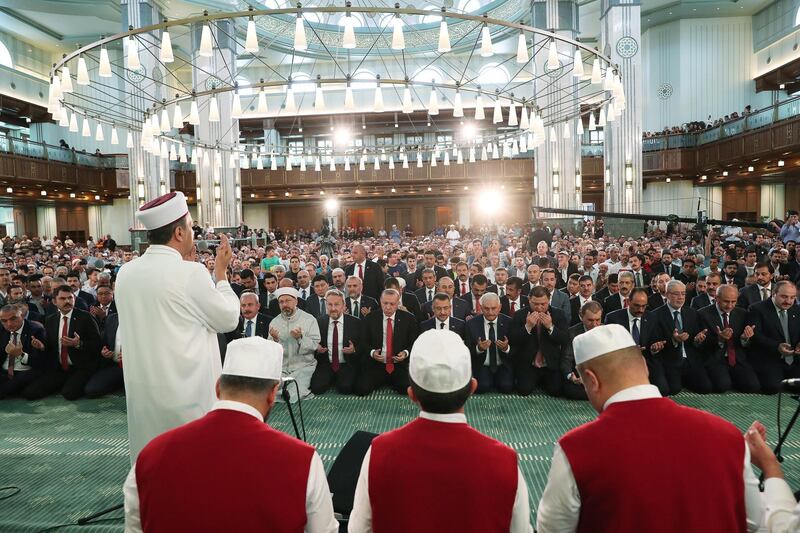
140 190
578 180
555 181
535 182
198 195
608 177
628 174
217 193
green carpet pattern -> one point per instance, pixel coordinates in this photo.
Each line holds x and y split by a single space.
70 459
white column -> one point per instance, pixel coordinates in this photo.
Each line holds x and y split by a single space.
558 160
621 36
220 186
46 221
773 200
95 221
463 211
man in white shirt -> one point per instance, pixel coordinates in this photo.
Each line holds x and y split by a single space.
453 236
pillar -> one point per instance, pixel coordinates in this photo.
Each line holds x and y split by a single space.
46 221
558 159
219 198
621 37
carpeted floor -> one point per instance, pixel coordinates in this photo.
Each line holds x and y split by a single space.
70 459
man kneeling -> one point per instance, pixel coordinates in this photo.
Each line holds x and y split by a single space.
192 477
452 477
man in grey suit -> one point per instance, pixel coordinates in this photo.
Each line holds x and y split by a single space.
558 299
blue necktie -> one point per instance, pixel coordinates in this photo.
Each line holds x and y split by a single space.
248 331
635 331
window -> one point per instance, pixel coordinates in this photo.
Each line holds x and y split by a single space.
367 80
443 140
384 140
302 83
296 146
596 137
324 150
428 74
5 56
493 74
413 140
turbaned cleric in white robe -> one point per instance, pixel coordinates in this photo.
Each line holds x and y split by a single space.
298 332
170 312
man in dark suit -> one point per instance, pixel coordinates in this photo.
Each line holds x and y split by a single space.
621 299
722 341
109 376
564 270
514 300
21 360
533 278
612 287
558 299
674 326
407 299
338 354
252 323
429 262
73 350
248 282
370 273
389 335
442 308
274 309
640 277
666 266
458 307
357 303
761 290
83 299
269 284
103 306
538 337
733 275
659 296
774 349
590 315
713 280
463 281
473 297
487 340
428 290
315 303
585 292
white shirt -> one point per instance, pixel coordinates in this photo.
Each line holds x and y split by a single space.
319 506
340 330
60 329
446 324
164 302
782 510
20 363
453 236
560 506
361 517
486 361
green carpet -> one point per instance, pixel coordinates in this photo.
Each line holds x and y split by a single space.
70 459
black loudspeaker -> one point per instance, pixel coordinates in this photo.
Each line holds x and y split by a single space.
343 475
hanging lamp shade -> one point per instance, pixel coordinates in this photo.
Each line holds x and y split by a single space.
104 67
577 64
398 40
206 46
194 114
479 112
497 117
349 34
378 103
251 41
458 107
99 136
512 113
236 106
596 75
433 103
262 102
487 50
444 35
213 109
408 103
133 54
522 48
552 56
165 54
289 104
349 103
66 80
177 116
86 131
300 42
83 72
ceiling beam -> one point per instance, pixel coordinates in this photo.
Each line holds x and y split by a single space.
32 23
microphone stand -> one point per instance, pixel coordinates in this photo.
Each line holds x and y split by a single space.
783 436
286 397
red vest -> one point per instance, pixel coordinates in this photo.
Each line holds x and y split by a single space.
655 466
226 471
439 476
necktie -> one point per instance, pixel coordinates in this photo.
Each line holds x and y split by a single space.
729 348
335 347
389 348
624 303
463 288
477 305
360 272
430 294
679 327
502 291
303 294
248 330
492 348
639 282
513 308
635 331
538 362
441 325
356 309
11 359
64 355
784 324
764 294
323 310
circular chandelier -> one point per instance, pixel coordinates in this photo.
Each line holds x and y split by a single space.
545 84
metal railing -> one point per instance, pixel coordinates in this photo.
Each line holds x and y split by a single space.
39 150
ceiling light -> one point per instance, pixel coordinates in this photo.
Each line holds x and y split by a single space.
552 56
72 195
43 193
86 131
601 118
262 102
289 104
577 64
486 41
165 124
206 47
579 127
83 73
300 42
252 195
213 109
444 35
458 107
236 106
524 122
781 162
194 114
349 35
66 80
750 169
408 103
393 189
165 54
433 102
596 75
128 140
319 98
378 103
479 112
498 111
610 113
398 40
96 196
104 68
725 173
358 191
133 54
512 112
522 48
9 189
668 180
251 42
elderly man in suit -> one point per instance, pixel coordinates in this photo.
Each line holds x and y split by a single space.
538 337
761 290
442 308
775 346
251 322
487 340
22 359
338 352
369 272
558 299
389 335
459 308
357 303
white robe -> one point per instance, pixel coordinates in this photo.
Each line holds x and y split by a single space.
298 355
169 315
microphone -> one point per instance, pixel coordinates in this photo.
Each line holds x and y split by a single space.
791 386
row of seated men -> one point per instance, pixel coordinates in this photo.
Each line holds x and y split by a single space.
73 350
521 340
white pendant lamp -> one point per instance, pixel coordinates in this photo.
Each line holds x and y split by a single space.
213 109
458 107
349 34
206 46
83 72
300 42
251 41
408 103
66 80
398 40
165 54
262 102
596 75
487 49
479 112
177 116
236 105
552 56
98 136
349 103
577 64
133 54
194 114
433 103
444 35
522 48
378 103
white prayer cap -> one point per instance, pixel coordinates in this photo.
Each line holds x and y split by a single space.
600 341
254 357
287 291
440 362
163 210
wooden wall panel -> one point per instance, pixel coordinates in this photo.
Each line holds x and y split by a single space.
784 136
592 166
72 218
792 193
731 149
7 169
741 198
758 142
292 216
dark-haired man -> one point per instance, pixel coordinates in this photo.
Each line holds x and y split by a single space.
759 291
475 484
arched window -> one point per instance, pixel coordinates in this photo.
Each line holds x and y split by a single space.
469 6
797 17
5 56
428 74
302 83
493 74
364 79
430 19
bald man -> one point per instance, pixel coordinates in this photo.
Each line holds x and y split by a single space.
642 463
369 272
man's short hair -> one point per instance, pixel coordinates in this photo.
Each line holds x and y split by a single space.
269 275
480 279
539 291
590 306
250 293
164 234
246 273
486 296
514 282
766 265
441 296
334 292
11 308
584 278
319 277
73 274
391 283
63 288
441 403
246 384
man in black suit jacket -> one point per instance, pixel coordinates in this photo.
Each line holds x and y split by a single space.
538 337
458 307
487 340
564 270
659 296
774 351
357 303
761 290
370 273
612 287
25 358
722 340
407 299
442 318
473 297
252 323
387 363
338 354
640 277
666 266
590 315
585 294
72 358
619 300
83 299
700 301
428 290
514 300
109 376
672 337
429 262
315 303
733 275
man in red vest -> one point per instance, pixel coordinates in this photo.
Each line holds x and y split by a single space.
436 473
229 471
646 463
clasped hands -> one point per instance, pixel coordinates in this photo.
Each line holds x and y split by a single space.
397 358
485 344
534 318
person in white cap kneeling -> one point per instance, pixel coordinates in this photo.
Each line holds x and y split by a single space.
170 313
646 463
229 471
437 473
